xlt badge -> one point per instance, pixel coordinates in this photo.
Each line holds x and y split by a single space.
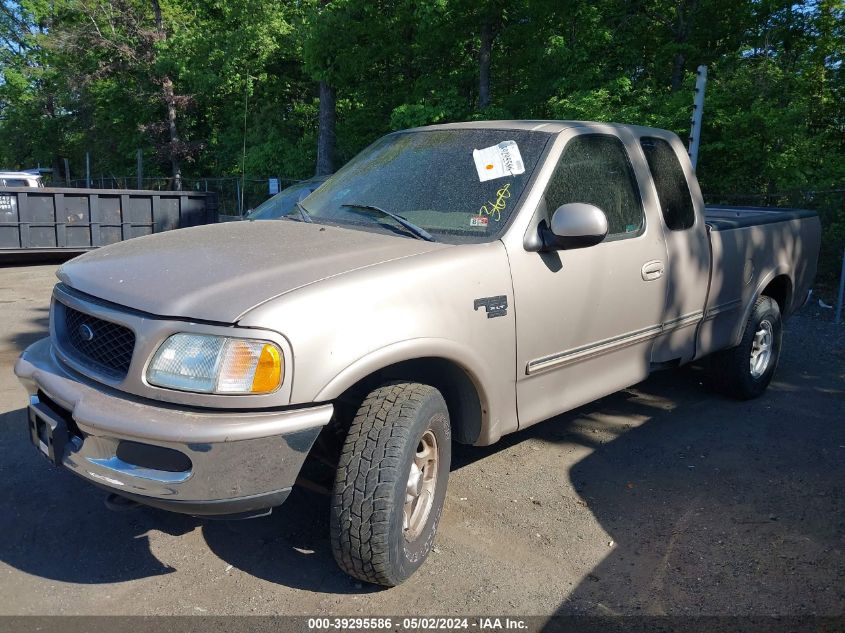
495 306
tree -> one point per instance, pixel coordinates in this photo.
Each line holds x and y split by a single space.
107 47
326 138
322 66
316 80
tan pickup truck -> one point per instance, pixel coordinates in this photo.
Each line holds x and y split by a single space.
450 284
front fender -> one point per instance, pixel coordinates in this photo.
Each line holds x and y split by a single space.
440 304
492 407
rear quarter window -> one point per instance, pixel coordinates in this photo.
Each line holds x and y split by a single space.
670 182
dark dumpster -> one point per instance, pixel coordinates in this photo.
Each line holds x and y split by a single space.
55 220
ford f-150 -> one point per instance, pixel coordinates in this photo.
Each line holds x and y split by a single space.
452 283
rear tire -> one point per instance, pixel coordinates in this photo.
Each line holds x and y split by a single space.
746 370
391 483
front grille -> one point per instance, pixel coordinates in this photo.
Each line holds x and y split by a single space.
103 345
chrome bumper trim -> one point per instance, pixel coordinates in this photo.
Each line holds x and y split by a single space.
121 467
233 455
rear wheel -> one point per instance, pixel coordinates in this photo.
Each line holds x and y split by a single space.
391 483
746 370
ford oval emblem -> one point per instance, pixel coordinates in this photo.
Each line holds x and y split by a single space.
85 332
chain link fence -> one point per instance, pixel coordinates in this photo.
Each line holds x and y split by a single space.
236 196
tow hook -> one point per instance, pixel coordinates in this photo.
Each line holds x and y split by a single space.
116 503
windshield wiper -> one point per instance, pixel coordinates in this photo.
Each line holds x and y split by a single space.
418 231
303 212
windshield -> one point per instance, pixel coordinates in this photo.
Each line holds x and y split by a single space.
16 182
459 185
284 202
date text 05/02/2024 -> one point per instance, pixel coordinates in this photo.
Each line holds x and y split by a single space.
416 624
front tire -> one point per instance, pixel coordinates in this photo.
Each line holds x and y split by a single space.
391 483
746 370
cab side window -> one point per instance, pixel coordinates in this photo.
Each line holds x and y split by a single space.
671 183
595 169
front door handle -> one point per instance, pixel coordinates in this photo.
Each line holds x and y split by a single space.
652 270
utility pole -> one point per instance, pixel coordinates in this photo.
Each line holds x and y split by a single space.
697 114
242 184
840 297
87 170
140 168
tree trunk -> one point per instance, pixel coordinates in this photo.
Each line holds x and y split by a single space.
170 103
57 177
685 12
678 72
326 134
484 56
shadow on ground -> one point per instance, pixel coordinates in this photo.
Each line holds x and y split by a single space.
724 508
35 328
56 525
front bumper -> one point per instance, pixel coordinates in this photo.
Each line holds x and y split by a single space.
231 462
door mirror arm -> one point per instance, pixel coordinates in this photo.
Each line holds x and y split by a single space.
548 240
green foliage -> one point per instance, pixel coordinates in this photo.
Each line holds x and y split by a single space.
81 76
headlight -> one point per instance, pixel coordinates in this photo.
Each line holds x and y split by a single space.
216 364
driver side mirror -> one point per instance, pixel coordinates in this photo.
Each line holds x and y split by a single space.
574 225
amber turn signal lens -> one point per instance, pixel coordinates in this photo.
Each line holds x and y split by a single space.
268 372
206 363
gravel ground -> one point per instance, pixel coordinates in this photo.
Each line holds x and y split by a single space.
660 499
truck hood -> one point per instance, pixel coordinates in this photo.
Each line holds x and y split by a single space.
221 271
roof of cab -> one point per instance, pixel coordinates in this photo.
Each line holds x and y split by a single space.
18 174
548 126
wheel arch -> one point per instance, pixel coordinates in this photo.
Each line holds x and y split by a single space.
777 285
779 288
442 368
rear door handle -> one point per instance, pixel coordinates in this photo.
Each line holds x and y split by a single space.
652 270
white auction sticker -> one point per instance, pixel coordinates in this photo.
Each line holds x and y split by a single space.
498 161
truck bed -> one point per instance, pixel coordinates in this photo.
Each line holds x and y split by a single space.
726 218
750 247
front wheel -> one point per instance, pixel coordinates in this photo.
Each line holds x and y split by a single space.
746 370
391 483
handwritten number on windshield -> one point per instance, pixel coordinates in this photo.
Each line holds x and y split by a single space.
494 209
